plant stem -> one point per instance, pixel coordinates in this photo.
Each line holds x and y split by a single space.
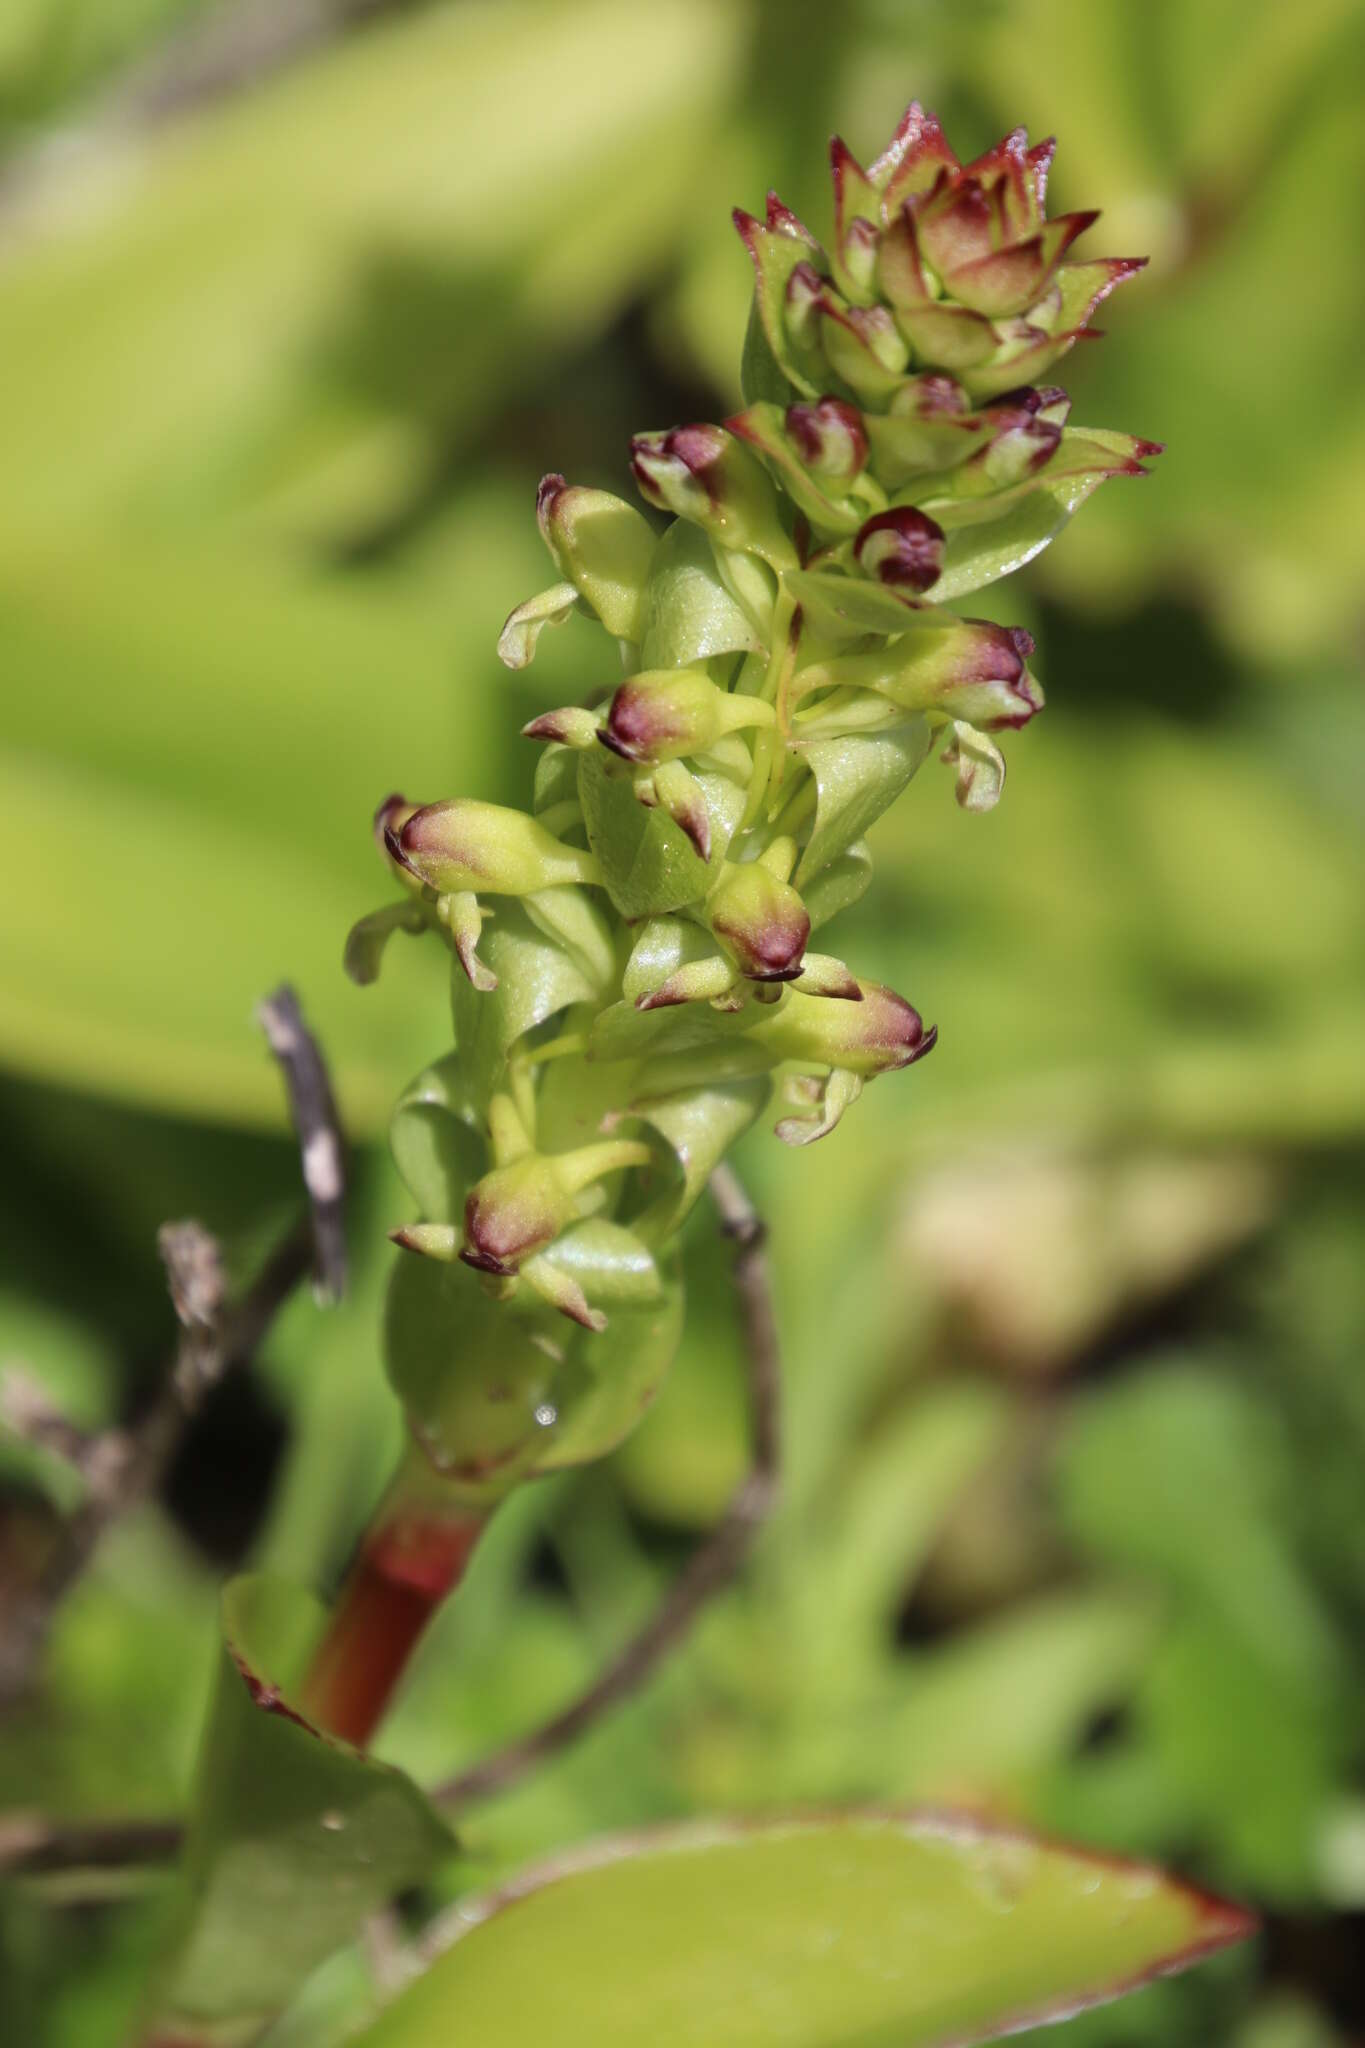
412 1555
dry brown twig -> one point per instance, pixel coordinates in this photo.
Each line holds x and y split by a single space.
122 1467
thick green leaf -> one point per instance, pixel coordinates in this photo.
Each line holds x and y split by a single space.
648 863
699 1125
295 1837
857 779
689 613
880 1930
981 552
496 1391
436 1141
536 977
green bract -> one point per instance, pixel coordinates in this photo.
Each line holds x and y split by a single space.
777 663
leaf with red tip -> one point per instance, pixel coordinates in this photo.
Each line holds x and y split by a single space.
1003 175
295 1837
1053 326
776 254
955 225
991 537
952 338
913 159
856 198
917 1928
1009 280
1038 162
864 348
783 221
762 426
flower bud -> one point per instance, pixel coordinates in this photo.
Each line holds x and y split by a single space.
961 668
760 921
519 1208
706 475
829 438
663 714
875 1036
512 1212
603 546
903 547
465 844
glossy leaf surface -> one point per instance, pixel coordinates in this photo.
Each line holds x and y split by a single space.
877 1930
295 1836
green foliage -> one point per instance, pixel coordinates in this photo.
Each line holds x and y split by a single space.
865 1928
295 1837
264 463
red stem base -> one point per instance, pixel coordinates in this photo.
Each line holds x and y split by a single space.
406 1568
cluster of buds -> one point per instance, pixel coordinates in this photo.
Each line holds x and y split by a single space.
633 957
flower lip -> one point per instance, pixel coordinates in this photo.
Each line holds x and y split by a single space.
902 546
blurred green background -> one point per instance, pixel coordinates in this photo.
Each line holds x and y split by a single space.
1073 1314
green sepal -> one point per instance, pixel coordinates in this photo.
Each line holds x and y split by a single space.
980 766
525 624
295 1838
689 615
369 936
857 778
649 866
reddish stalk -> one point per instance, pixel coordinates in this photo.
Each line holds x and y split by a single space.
409 1560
